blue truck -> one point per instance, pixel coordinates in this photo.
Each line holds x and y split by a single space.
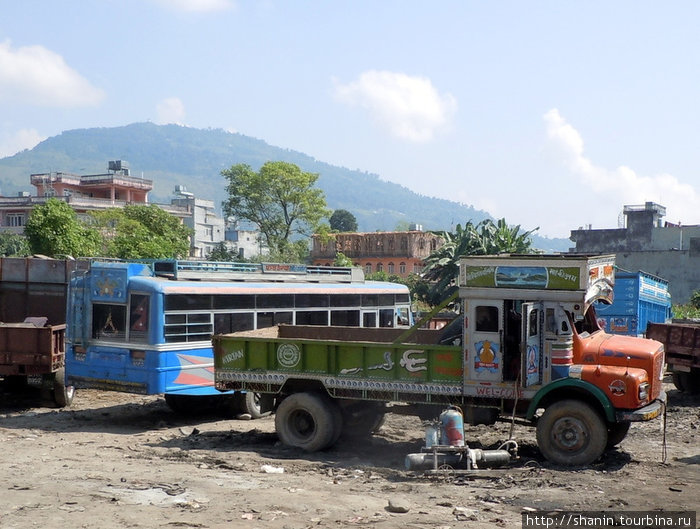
639 299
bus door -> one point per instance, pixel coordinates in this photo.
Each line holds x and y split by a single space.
533 341
484 340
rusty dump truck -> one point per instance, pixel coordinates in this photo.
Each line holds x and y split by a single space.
527 344
681 340
33 324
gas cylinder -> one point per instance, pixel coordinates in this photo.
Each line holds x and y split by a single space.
431 435
452 427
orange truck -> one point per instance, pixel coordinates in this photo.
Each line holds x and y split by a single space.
527 344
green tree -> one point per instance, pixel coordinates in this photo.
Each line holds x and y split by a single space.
281 200
343 221
14 245
485 238
342 260
142 232
222 252
53 229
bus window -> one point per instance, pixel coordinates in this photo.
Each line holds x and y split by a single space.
270 319
386 317
312 317
108 322
345 318
369 319
274 301
402 317
233 322
138 317
193 327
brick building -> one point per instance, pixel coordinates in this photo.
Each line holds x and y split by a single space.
395 252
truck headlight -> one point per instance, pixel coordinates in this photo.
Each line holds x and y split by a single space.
644 391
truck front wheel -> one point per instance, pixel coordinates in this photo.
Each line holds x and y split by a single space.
307 421
571 432
617 432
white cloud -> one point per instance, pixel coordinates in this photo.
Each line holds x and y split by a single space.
22 139
409 107
198 6
622 185
170 110
38 76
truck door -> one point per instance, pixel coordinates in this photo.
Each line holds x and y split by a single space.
533 338
484 340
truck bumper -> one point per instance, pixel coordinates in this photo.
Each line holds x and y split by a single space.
648 412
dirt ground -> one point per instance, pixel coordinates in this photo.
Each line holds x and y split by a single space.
120 461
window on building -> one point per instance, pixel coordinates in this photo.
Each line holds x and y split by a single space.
433 245
380 267
15 219
402 268
416 268
390 268
368 268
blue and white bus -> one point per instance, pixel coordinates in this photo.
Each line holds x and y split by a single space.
146 327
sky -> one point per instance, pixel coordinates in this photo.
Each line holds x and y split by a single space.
550 114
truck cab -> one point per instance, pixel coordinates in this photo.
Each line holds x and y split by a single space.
532 339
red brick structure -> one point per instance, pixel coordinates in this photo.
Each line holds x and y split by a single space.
395 252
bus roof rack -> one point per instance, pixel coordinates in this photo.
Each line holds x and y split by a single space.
236 271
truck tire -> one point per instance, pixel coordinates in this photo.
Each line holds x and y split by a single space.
570 432
307 421
687 382
617 432
62 394
362 420
251 403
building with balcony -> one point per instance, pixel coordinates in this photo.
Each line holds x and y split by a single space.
84 193
400 253
209 229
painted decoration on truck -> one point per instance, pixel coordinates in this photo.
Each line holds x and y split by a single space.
532 373
527 277
486 359
108 285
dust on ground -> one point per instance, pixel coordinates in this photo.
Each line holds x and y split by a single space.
116 460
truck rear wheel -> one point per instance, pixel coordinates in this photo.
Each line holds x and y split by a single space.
307 421
62 394
571 432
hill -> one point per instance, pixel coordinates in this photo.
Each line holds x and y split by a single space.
171 155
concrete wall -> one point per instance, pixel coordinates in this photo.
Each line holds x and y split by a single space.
669 251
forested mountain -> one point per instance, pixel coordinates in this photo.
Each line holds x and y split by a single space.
171 155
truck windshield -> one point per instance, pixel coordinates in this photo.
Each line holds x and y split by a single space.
589 323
